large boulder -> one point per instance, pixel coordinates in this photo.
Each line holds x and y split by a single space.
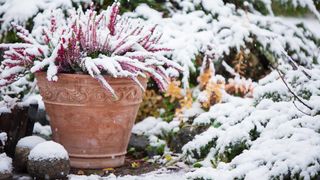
48 160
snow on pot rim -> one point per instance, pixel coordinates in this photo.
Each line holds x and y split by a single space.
48 150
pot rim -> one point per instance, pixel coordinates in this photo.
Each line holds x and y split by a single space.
107 77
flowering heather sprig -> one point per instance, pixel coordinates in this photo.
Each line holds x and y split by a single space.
94 43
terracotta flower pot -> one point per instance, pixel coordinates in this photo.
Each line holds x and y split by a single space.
93 127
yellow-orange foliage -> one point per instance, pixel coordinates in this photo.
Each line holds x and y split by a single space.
174 91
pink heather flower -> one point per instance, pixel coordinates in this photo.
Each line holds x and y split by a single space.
95 43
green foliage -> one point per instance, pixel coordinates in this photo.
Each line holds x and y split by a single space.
279 8
305 94
128 6
197 165
256 4
9 37
204 150
254 134
170 108
287 9
232 151
274 96
216 124
155 150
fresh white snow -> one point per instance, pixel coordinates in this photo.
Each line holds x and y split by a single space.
5 164
30 142
42 130
48 150
3 138
161 174
275 138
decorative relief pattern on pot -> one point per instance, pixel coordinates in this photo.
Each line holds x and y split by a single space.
72 94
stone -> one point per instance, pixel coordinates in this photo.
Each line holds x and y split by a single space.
139 142
138 145
5 176
23 148
183 136
37 114
48 160
5 167
42 131
49 168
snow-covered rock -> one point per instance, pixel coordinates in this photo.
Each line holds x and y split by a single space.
5 166
23 148
48 150
41 130
48 160
30 142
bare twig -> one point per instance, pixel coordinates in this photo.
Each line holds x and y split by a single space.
295 65
300 109
294 95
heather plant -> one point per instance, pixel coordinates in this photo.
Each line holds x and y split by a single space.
90 43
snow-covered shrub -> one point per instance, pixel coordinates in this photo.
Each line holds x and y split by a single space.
261 136
263 141
91 43
230 28
304 84
21 12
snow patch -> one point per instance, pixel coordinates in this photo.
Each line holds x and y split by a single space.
42 130
30 142
6 164
48 150
3 138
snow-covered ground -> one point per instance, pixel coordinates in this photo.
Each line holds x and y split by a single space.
155 175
